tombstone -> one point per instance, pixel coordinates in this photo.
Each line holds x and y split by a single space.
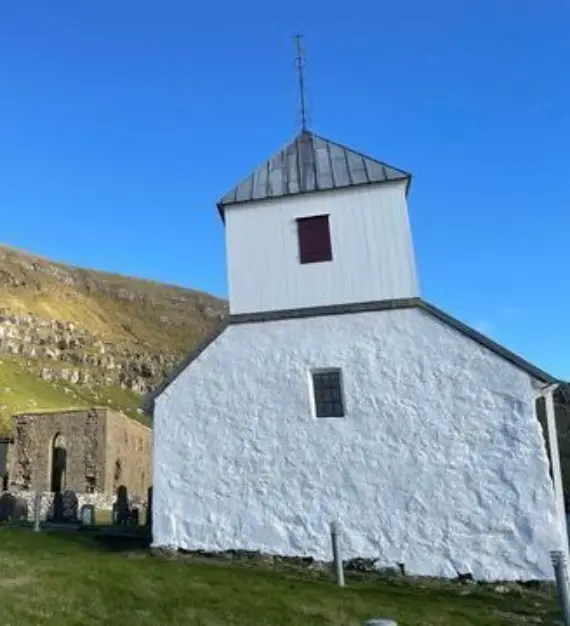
87 515
65 507
134 517
122 507
70 506
13 509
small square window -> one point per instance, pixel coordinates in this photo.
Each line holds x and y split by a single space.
314 239
327 393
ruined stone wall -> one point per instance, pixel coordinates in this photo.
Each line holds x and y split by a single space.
83 434
101 501
128 454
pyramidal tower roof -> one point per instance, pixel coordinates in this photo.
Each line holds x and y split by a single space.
307 164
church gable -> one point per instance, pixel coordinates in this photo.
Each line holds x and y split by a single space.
338 409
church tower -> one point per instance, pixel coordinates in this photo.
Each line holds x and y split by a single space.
318 224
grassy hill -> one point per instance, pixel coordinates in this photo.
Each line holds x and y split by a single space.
72 337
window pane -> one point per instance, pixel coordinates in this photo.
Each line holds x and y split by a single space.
328 394
337 410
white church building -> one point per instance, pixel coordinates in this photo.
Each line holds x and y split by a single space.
334 392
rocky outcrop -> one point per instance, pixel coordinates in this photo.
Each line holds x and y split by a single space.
66 352
89 334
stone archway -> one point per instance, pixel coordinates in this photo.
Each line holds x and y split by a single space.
58 463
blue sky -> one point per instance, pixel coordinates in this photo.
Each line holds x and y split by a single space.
122 123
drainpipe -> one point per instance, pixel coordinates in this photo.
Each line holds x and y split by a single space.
548 394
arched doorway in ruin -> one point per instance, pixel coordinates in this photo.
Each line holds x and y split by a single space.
58 463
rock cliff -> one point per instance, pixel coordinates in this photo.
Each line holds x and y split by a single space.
72 337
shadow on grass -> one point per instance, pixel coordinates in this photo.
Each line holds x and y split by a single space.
94 538
107 542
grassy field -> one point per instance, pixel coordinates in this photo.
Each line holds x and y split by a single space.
21 390
71 579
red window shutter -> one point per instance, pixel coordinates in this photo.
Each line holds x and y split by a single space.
314 239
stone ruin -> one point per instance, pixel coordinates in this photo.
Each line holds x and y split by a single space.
90 451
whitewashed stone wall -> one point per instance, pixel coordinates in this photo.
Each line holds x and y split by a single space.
439 464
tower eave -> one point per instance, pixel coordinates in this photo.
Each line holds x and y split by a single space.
222 205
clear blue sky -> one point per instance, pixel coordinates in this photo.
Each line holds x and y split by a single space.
122 123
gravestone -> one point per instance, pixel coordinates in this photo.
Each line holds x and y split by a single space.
87 515
70 506
13 508
121 507
134 517
65 507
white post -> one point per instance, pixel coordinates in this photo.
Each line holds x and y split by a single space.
555 464
339 571
37 509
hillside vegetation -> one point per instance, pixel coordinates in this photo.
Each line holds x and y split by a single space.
71 337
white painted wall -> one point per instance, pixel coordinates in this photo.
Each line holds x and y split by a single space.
439 464
372 250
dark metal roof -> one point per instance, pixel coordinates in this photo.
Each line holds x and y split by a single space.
311 163
343 309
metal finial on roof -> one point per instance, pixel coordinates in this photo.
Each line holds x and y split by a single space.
300 65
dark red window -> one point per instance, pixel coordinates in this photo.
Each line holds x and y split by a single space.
314 239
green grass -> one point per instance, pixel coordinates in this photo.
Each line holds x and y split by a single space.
22 390
70 580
